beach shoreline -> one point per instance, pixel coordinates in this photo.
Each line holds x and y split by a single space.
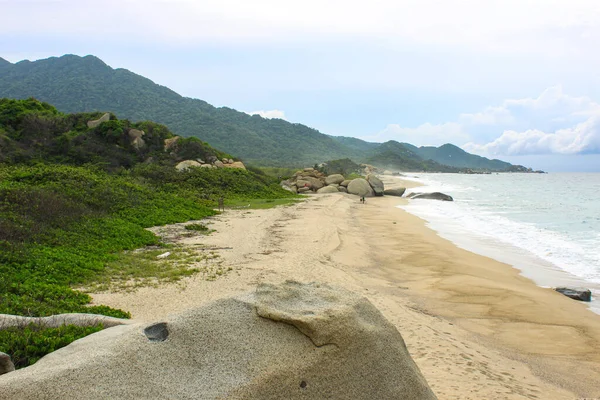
475 327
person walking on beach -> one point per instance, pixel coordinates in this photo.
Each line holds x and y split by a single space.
362 199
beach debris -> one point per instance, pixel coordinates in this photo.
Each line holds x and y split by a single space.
430 196
163 255
6 364
299 341
581 294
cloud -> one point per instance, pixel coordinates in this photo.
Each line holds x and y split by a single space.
269 114
584 138
552 123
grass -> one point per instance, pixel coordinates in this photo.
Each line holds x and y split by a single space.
197 227
259 204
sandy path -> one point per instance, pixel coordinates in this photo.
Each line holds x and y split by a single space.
476 329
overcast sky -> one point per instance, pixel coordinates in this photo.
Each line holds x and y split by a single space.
517 80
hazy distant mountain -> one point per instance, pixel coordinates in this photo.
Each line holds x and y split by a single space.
454 156
87 84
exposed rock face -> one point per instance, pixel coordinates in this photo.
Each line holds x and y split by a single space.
303 189
170 143
135 135
335 178
431 196
394 192
286 341
328 189
235 164
376 184
345 183
55 321
218 164
360 187
6 365
184 165
342 189
581 294
96 122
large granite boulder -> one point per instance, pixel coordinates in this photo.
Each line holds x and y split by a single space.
342 189
96 122
286 341
394 192
581 294
376 184
345 183
360 187
6 365
431 196
335 178
328 189
218 164
184 165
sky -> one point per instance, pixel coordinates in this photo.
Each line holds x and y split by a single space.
517 80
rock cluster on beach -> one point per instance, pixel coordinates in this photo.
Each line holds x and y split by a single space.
285 341
312 180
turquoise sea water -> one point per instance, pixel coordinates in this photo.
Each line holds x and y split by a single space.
546 225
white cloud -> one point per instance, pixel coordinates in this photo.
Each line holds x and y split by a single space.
490 25
584 138
552 123
269 114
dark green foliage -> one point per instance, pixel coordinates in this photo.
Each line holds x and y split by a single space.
396 156
453 156
344 166
28 344
197 227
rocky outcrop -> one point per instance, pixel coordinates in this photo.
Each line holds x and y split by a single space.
394 192
376 184
335 178
345 182
187 164
328 189
235 164
135 135
96 122
581 294
6 365
219 164
360 187
430 196
170 143
55 321
342 189
285 341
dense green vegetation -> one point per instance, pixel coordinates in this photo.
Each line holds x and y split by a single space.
396 156
86 84
73 199
28 344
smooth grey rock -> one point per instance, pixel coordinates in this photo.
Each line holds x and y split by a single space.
376 184
303 189
394 192
328 189
55 321
184 165
360 187
285 341
431 196
96 122
335 178
158 332
342 189
218 164
6 365
581 294
346 182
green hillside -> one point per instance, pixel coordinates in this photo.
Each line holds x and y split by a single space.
454 156
397 156
86 84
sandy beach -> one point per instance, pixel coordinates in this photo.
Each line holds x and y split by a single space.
474 326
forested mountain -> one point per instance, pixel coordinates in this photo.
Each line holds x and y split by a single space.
454 156
86 84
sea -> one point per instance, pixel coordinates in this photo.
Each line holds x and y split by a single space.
545 225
